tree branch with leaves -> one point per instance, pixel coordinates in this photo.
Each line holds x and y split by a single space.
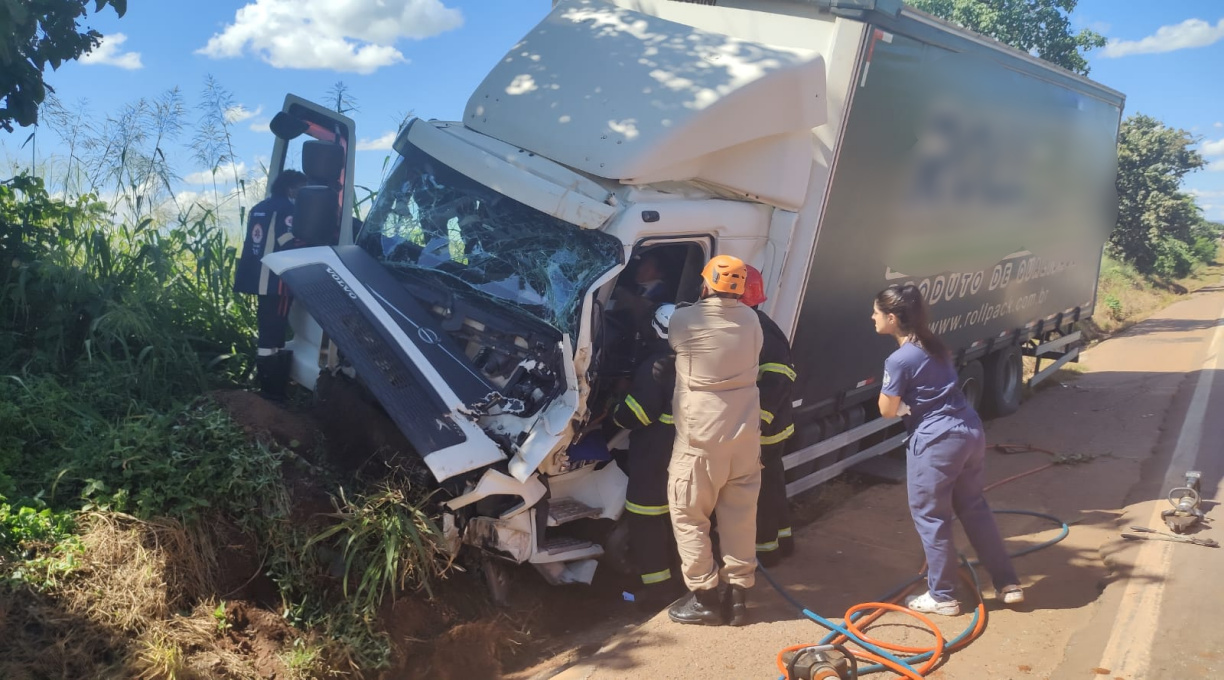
33 34
1040 27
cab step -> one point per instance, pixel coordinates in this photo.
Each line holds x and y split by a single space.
566 549
564 510
562 544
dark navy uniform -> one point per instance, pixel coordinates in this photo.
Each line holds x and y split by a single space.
945 469
776 383
646 411
269 230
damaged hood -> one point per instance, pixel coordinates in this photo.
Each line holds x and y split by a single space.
407 361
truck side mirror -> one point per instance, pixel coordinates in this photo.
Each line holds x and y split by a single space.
287 127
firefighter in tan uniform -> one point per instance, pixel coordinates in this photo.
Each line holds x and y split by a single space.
716 460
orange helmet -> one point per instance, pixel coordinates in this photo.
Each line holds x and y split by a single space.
725 274
754 288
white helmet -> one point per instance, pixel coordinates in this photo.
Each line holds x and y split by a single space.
662 319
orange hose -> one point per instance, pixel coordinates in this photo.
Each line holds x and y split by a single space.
936 652
1013 478
940 649
1019 448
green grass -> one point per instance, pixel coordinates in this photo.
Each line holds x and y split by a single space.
1126 297
389 543
109 336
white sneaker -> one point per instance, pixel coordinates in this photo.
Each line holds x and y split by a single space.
926 604
1012 594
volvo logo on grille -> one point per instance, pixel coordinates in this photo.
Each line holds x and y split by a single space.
427 336
340 281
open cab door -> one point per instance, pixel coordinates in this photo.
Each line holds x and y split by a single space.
322 144
342 296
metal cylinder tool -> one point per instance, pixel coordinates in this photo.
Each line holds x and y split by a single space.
1185 513
820 662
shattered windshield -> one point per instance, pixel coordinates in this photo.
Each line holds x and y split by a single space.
428 215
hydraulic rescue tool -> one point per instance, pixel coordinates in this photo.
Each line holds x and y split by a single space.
820 662
1185 513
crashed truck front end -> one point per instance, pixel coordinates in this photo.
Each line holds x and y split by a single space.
464 310
472 300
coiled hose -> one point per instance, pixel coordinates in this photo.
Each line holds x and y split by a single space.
882 655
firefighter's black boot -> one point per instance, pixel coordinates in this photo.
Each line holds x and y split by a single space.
703 607
735 605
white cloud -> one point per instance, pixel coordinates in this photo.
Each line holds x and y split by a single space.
187 197
1217 124
1188 34
225 175
239 113
1215 148
342 35
108 53
1200 193
381 144
261 126
1215 166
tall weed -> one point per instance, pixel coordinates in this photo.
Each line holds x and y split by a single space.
150 300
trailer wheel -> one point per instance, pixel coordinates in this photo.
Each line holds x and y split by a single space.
971 377
1004 383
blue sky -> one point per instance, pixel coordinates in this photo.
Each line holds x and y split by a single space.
425 56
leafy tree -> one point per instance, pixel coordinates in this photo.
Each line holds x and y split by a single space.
1037 26
34 33
1158 223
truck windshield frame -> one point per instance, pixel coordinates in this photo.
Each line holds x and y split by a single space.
427 215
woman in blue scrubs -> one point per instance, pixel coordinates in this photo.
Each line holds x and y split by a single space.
946 453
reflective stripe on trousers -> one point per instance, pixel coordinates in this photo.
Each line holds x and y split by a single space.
656 577
646 510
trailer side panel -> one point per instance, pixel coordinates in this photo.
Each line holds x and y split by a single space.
991 188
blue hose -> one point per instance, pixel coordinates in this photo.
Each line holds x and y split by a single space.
837 630
907 662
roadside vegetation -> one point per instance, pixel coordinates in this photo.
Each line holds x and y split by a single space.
1126 297
134 499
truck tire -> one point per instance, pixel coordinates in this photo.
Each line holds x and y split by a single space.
971 379
1004 383
496 579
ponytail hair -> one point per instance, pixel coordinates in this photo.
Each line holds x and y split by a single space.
906 303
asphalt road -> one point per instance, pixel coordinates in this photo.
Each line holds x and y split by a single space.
1149 406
